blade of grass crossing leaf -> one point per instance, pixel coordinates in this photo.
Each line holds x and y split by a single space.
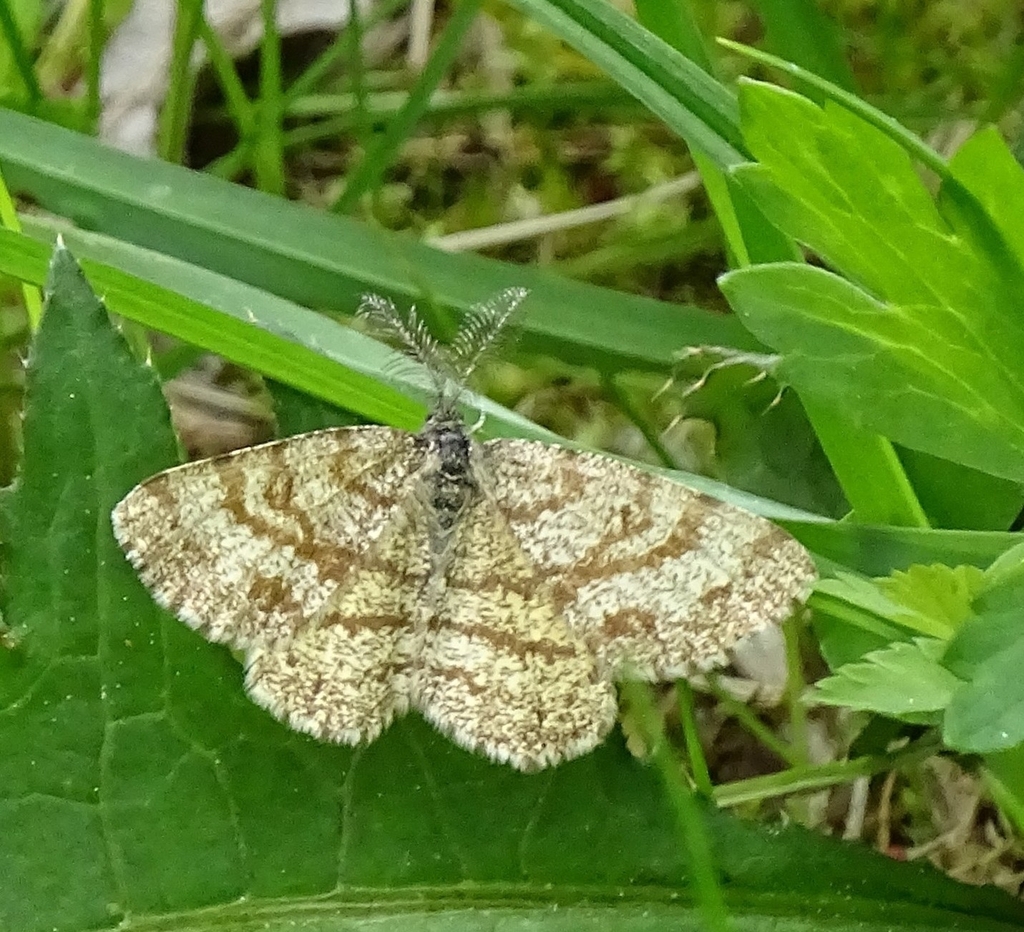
178 104
237 101
380 155
10 366
10 221
800 31
675 23
892 128
693 834
11 31
871 475
268 159
849 450
865 463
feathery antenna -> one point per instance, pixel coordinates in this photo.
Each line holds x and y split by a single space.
483 330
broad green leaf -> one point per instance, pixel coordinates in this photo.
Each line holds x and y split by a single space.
142 789
997 616
849 192
904 679
987 714
875 363
868 469
922 344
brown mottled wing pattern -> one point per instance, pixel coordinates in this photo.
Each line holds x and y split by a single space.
347 675
501 670
658 579
248 546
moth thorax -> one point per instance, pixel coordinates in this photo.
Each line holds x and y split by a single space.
450 478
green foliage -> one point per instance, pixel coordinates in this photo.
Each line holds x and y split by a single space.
140 787
964 677
915 342
138 779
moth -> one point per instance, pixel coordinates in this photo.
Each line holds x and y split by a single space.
499 589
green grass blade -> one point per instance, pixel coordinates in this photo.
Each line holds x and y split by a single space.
13 50
177 109
268 158
380 154
326 261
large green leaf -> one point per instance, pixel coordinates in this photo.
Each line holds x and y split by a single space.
923 343
139 787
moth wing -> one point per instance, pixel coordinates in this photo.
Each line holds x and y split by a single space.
501 671
248 546
346 676
660 580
